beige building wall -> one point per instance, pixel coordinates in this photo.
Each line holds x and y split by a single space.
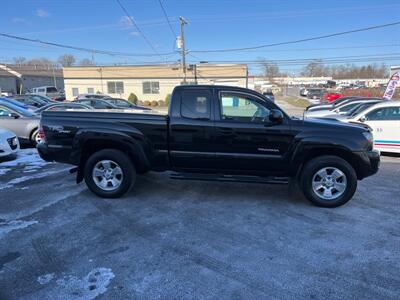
96 79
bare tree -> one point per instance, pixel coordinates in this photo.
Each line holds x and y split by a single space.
42 62
19 60
314 69
86 62
66 60
270 70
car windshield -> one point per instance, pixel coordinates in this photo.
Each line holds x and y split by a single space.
16 108
358 109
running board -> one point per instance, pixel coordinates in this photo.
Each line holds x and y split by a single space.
230 178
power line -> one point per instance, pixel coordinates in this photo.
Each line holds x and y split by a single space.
137 27
167 18
298 41
111 53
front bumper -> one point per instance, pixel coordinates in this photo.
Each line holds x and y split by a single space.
368 163
374 157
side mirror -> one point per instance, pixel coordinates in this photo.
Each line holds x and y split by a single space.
13 115
362 119
275 116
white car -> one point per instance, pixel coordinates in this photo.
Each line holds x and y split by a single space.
384 119
339 110
9 144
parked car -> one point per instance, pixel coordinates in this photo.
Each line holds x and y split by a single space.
303 92
122 103
352 111
91 96
329 97
341 109
97 103
19 104
22 122
269 95
384 119
211 130
9 144
62 106
336 102
31 100
49 91
315 93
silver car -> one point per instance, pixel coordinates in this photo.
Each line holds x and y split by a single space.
22 122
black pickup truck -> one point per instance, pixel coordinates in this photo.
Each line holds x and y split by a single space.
211 133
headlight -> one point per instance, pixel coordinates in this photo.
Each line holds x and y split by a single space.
368 135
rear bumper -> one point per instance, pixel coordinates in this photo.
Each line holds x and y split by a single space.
54 153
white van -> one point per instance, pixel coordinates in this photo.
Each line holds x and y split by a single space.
49 91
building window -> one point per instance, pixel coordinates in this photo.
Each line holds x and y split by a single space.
75 92
90 90
115 87
151 87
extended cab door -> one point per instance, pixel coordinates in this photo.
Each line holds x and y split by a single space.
191 129
385 122
246 141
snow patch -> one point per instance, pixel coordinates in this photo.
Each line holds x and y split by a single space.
89 287
14 181
28 157
44 279
8 226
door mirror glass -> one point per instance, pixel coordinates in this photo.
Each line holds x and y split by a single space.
14 115
275 116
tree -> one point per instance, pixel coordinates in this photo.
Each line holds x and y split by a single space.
86 62
66 60
41 62
133 98
270 70
19 60
314 69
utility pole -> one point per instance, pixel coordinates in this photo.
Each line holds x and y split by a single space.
183 23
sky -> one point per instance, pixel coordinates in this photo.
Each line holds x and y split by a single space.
212 24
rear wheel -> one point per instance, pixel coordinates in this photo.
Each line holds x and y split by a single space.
109 173
328 181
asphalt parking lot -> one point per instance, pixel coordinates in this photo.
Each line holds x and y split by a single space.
181 239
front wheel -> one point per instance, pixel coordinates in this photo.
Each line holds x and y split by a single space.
109 173
328 181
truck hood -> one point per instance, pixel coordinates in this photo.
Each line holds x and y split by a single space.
333 124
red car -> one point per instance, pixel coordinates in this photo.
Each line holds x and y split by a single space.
330 97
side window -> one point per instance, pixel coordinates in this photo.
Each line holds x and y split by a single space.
196 105
235 107
75 92
90 90
4 112
386 113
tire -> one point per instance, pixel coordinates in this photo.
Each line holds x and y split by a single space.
332 190
35 137
115 170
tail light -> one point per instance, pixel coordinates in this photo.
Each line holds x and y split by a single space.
42 135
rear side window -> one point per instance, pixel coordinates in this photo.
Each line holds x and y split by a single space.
196 104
